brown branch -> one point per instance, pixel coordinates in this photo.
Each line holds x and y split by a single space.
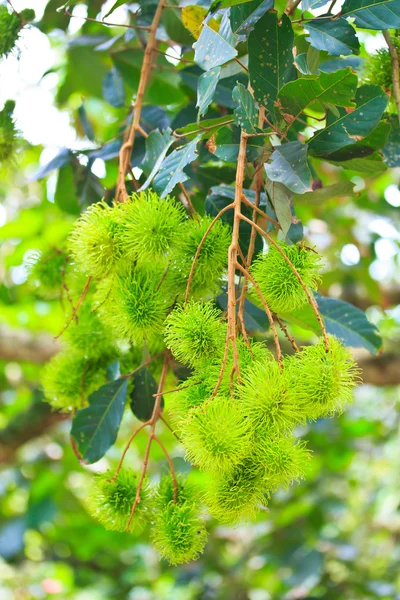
259 211
126 149
287 334
127 446
153 421
395 70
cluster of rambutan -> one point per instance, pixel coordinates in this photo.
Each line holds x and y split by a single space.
139 255
237 412
241 432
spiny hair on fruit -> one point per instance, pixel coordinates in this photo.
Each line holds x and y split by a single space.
217 435
194 332
323 380
111 499
46 271
69 378
276 280
151 226
8 132
11 24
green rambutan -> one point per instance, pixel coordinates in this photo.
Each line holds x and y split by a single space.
151 225
217 436
267 400
95 243
237 495
111 501
69 378
195 332
135 303
283 459
89 336
46 272
11 24
323 381
179 533
8 132
211 262
276 280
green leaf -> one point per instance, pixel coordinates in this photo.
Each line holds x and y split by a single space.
245 16
337 37
391 150
116 5
113 88
65 195
64 157
381 14
206 89
336 88
289 166
227 141
171 171
95 428
341 319
246 113
214 48
349 128
371 165
142 400
280 198
270 57
157 146
337 190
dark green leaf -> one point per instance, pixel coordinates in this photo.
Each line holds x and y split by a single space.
65 194
341 319
95 428
246 113
113 88
142 398
337 37
171 171
375 140
349 128
370 14
116 5
338 88
370 165
245 16
206 89
289 166
270 57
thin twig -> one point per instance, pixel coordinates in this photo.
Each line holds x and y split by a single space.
69 14
121 460
287 334
187 198
153 421
144 364
171 467
76 309
199 247
267 310
259 211
170 428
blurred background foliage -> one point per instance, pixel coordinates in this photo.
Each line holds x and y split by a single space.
335 536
